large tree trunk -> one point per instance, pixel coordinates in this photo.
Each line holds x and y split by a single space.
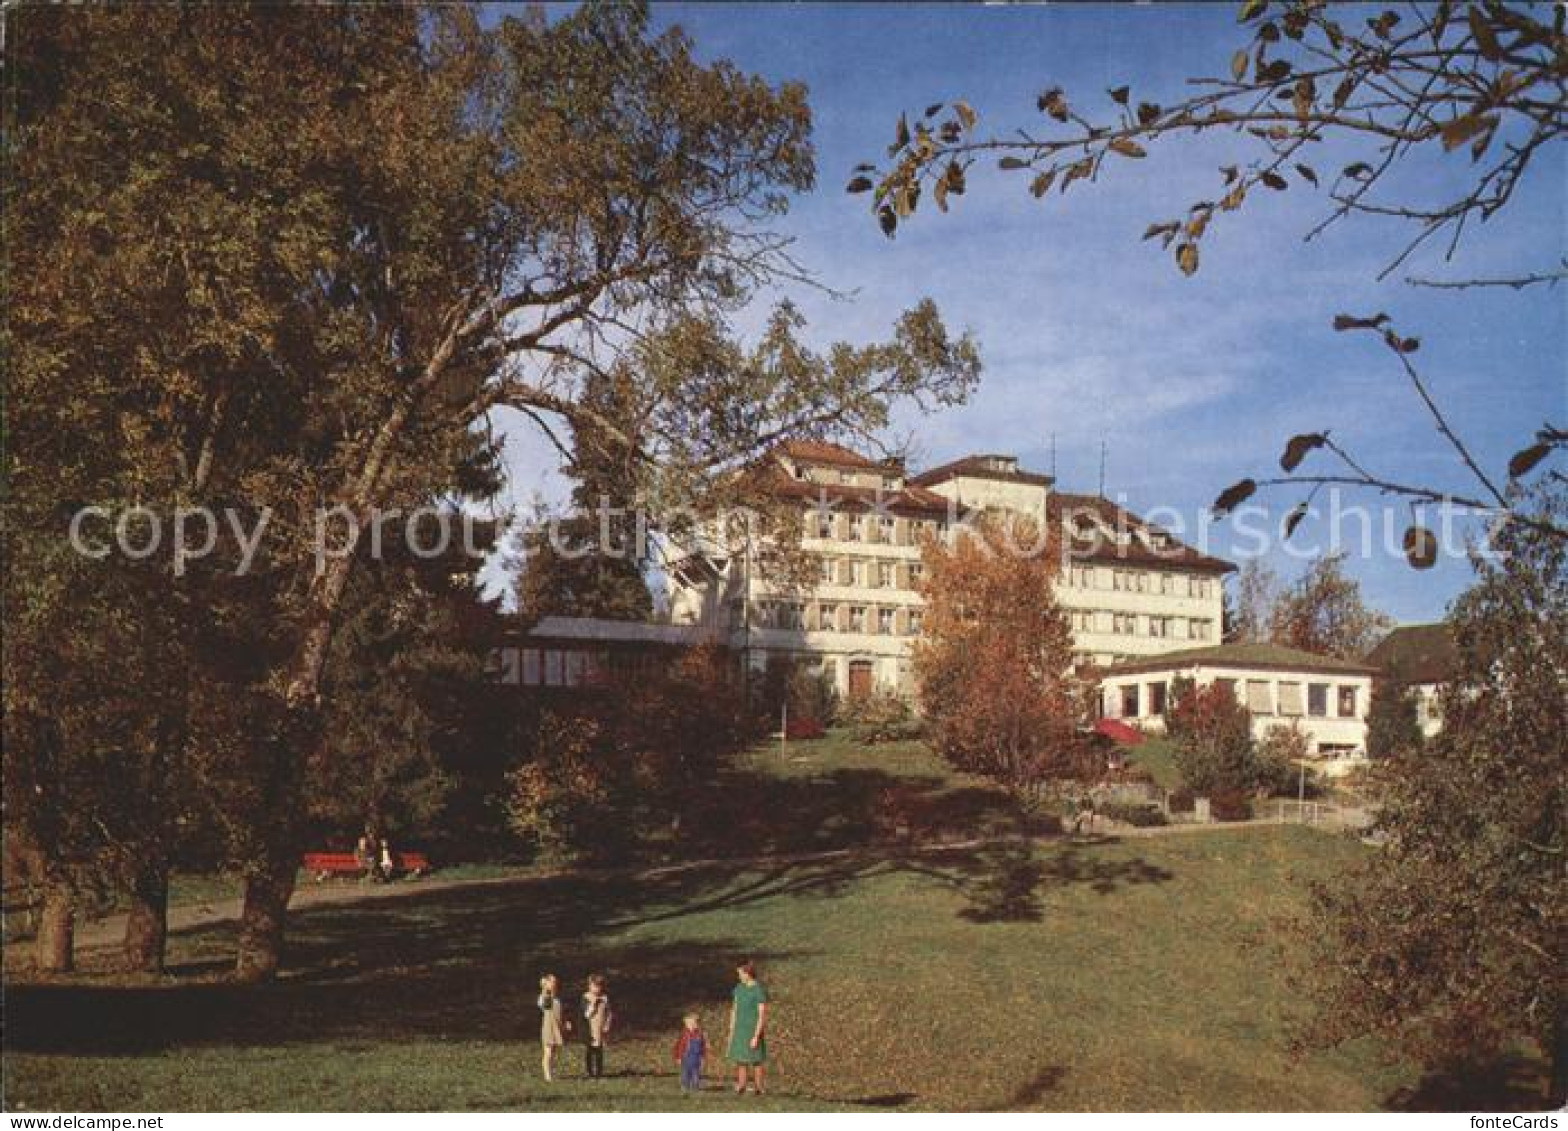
147 924
56 940
1557 1088
262 919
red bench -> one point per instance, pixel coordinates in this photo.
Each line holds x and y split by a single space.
324 864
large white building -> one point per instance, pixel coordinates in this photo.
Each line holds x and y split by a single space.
1131 589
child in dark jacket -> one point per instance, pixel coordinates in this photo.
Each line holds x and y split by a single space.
691 1050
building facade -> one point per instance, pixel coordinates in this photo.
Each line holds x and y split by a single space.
1326 697
1129 589
1423 658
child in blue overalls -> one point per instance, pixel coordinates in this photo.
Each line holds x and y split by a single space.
691 1049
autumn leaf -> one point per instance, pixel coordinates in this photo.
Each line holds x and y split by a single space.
1238 65
966 115
1297 447
1524 462
1233 496
1120 95
1187 257
1293 519
1344 322
1127 148
1420 547
1042 184
859 184
1308 174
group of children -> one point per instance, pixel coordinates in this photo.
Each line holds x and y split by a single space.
691 1047
554 1024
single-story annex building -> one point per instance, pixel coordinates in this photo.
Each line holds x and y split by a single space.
1328 697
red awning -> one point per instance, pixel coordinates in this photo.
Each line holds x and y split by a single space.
1119 732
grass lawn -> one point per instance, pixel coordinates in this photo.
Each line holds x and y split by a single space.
1157 754
1140 974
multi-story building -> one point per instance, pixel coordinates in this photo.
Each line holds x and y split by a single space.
1131 589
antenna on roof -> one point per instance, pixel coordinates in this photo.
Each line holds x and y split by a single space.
1102 469
1053 455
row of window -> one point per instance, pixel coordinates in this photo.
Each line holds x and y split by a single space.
1139 624
1260 696
1161 582
860 527
870 574
830 616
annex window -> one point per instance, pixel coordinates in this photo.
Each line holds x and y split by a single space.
1317 700
1130 701
1290 699
1347 702
1157 698
1259 699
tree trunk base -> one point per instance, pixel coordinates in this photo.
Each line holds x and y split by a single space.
56 941
260 950
147 924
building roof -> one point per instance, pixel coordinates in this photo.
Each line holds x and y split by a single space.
599 629
1417 653
1000 467
826 452
1273 657
902 500
1088 544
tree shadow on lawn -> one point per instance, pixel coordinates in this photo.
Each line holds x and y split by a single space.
751 812
1511 1083
463 964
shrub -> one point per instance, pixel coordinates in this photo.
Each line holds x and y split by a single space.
803 729
1140 815
1280 754
880 717
1213 735
1230 805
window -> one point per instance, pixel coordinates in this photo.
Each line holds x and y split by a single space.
1157 698
857 528
1290 699
1130 701
885 622
857 573
1347 702
1124 624
828 577
1168 584
1159 626
827 618
531 675
822 522
1259 699
857 618
886 574
1317 700
552 668
1197 587
1227 685
885 529
913 622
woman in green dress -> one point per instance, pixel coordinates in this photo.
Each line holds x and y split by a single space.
748 1047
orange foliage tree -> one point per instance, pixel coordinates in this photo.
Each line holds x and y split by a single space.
994 661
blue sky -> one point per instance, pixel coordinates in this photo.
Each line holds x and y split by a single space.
1087 332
